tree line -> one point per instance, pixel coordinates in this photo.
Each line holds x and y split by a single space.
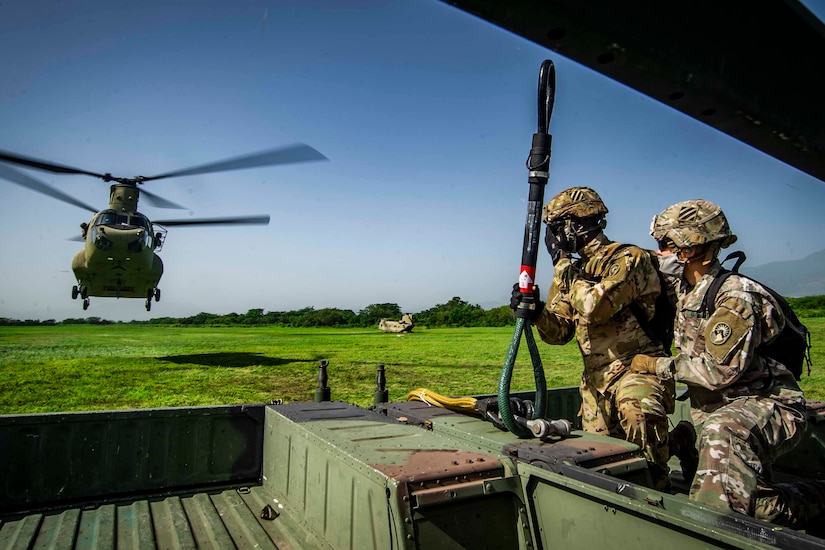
454 313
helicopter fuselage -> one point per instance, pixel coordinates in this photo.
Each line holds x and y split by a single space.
118 259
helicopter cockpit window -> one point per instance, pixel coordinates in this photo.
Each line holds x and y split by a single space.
110 217
107 217
139 220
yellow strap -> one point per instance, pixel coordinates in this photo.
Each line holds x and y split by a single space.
465 405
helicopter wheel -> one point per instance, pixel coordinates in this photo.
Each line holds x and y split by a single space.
75 293
148 305
157 295
85 304
84 292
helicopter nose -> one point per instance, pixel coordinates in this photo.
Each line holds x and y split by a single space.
121 240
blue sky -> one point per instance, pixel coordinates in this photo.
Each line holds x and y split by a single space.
425 113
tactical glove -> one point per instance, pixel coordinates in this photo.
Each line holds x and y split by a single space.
517 297
644 364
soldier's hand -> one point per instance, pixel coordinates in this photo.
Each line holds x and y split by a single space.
516 299
644 364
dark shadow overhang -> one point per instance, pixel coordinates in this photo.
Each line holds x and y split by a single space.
749 68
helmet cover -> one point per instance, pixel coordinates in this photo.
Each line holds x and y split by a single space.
578 202
691 223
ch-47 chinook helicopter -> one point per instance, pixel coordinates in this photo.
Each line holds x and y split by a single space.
120 257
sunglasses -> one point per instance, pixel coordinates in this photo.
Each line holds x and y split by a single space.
667 244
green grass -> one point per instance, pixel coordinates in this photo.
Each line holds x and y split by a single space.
82 367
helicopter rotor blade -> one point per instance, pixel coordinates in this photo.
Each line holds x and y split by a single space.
290 154
9 173
239 220
158 201
45 166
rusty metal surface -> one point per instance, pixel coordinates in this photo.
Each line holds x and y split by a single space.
442 465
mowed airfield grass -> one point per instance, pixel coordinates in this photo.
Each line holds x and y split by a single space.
107 367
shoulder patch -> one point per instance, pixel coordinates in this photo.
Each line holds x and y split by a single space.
720 333
613 271
724 333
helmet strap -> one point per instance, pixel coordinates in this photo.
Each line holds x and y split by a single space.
695 262
711 252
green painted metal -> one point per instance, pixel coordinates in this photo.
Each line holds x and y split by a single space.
335 476
52 458
351 477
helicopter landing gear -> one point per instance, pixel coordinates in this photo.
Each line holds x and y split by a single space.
75 293
152 293
80 290
85 304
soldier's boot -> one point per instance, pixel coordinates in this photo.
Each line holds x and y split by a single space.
799 504
682 443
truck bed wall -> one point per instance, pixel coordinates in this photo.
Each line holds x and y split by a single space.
48 459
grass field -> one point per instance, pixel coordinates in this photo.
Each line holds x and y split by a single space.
85 367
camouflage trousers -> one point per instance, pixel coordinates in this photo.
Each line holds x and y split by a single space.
634 408
737 444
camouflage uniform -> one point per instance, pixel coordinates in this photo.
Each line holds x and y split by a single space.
749 408
589 298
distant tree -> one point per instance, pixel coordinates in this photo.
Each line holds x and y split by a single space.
276 318
164 321
499 317
73 321
254 317
455 313
294 318
328 317
87 321
201 318
229 319
98 321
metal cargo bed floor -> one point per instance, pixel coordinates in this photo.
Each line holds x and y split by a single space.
231 518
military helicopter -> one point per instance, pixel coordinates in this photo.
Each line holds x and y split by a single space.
406 324
119 258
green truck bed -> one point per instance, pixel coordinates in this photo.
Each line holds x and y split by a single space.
333 475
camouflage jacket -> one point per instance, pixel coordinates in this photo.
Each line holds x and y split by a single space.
717 356
589 298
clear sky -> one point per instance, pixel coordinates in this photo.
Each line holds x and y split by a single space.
425 113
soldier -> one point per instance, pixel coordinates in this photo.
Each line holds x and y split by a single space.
593 298
748 407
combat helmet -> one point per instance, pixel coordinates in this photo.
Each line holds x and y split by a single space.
691 223
578 202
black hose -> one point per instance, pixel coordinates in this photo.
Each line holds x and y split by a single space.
538 166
